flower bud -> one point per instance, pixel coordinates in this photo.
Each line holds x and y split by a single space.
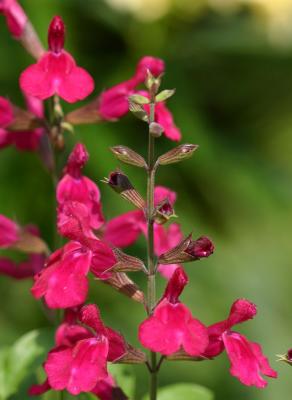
128 156
56 35
188 250
177 154
152 83
287 358
121 184
155 129
202 247
175 286
163 212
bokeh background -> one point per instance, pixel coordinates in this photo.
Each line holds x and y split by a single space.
231 63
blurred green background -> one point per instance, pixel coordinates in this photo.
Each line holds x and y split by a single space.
231 62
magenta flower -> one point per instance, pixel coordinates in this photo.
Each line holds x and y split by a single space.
78 363
15 16
56 71
75 187
114 102
172 326
63 282
9 232
248 363
22 140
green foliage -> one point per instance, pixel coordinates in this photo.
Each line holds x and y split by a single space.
125 378
186 391
20 360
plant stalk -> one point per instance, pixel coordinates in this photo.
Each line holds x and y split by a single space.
150 246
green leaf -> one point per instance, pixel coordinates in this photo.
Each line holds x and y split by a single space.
164 95
139 99
186 391
124 377
19 361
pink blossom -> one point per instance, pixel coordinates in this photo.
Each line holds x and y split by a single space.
172 327
248 363
114 102
15 17
22 270
9 232
22 140
78 363
63 282
56 71
75 187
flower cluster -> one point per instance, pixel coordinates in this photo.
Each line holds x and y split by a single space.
84 345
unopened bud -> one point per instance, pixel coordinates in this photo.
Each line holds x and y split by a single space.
287 358
163 212
152 83
177 154
121 184
188 250
127 263
128 156
155 129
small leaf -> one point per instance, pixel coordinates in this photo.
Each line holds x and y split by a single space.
186 391
139 99
164 95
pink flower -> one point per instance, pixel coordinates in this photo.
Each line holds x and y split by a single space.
22 140
172 326
114 102
78 363
75 187
63 282
22 270
56 71
248 363
9 232
164 118
15 17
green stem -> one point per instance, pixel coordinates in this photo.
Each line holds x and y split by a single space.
150 248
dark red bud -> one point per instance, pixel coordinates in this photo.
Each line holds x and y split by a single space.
289 355
202 247
119 182
56 35
176 285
